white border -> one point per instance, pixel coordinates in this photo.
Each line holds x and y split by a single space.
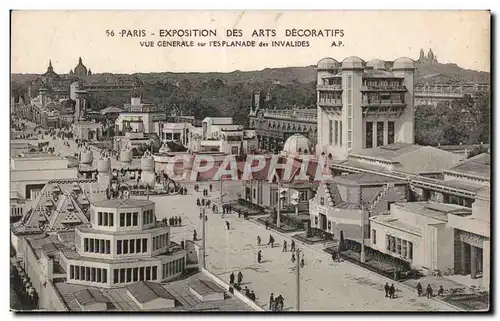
197 5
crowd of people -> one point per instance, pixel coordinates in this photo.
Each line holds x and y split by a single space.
276 304
172 221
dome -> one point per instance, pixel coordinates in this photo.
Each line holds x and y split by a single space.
403 63
126 156
103 165
80 69
376 64
327 64
352 63
297 144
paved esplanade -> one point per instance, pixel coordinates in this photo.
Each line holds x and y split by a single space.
325 285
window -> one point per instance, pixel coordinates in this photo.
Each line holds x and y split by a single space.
122 219
96 244
374 236
77 272
87 274
410 250
132 246
85 244
104 276
129 219
336 132
155 272
388 242
71 271
129 275
390 132
148 273
108 246
105 219
102 247
380 133
111 219
330 132
136 274
141 274
340 133
135 219
369 135
389 205
303 196
92 274
91 245
122 275
322 201
138 245
125 246
144 245
99 218
115 276
118 247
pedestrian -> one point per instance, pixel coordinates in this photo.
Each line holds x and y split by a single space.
293 257
259 256
270 241
386 288
213 208
201 215
440 290
195 236
252 296
419 289
284 246
428 291
231 278
258 240
203 202
392 291
267 225
271 301
280 303
210 186
228 225
170 221
302 263
247 292
180 221
292 246
182 245
198 203
239 214
240 277
175 221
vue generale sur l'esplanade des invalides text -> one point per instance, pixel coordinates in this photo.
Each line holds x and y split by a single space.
231 34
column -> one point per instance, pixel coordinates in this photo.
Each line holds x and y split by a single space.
386 132
374 134
473 261
486 265
463 267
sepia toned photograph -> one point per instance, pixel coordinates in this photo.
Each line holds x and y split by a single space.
250 161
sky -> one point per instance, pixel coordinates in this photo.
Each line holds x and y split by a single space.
461 37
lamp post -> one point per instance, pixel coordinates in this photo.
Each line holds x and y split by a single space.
204 239
298 279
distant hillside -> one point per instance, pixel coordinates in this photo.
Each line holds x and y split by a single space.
281 76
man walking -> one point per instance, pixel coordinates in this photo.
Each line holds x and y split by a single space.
429 291
271 241
259 256
258 240
419 289
392 291
240 277
386 288
231 278
267 225
284 246
292 246
227 225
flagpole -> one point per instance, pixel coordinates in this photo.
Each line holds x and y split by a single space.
278 212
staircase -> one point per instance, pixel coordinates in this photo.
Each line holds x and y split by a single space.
380 196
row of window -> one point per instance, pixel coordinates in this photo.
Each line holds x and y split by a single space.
349 112
132 246
172 268
147 217
136 274
16 211
85 273
381 83
380 133
399 247
129 219
105 219
160 241
96 246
